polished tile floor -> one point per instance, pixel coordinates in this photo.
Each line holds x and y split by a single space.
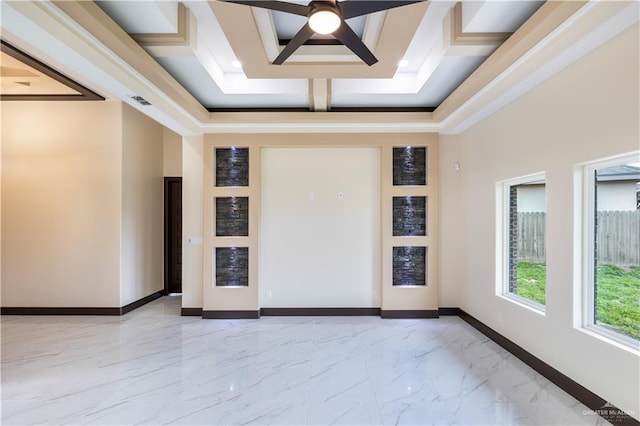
152 366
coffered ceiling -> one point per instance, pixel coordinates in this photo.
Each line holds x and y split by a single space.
206 66
223 53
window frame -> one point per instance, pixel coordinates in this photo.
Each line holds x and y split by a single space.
588 255
504 189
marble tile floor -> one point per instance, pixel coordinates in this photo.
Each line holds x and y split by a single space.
154 367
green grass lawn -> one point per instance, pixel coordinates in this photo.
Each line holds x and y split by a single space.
531 281
618 299
618 294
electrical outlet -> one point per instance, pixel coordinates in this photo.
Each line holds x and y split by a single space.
375 294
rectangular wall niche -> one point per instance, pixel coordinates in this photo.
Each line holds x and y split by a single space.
232 266
409 266
409 216
232 166
232 216
410 166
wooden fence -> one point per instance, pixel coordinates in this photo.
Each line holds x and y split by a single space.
531 237
618 237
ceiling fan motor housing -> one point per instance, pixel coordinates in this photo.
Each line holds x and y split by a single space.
324 16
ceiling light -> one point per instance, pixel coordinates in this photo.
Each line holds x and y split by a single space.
324 21
403 63
236 64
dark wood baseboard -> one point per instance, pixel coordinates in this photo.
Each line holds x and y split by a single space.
135 305
230 314
191 312
15 310
321 312
10 310
599 405
409 314
448 312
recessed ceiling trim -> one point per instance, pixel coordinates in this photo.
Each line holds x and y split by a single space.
267 30
457 43
84 94
321 122
590 27
546 19
372 29
458 36
395 35
183 42
179 38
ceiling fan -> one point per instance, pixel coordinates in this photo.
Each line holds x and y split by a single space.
328 17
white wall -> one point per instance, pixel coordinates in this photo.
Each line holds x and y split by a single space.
61 189
318 249
588 111
142 249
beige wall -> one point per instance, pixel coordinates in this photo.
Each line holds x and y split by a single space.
391 298
192 182
82 204
61 190
587 112
318 249
141 247
172 153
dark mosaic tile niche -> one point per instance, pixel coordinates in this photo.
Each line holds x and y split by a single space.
232 266
409 266
409 216
232 166
232 216
409 166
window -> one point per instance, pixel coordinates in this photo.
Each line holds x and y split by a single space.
524 240
612 249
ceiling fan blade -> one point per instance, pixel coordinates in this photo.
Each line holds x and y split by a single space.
297 40
281 6
350 39
354 8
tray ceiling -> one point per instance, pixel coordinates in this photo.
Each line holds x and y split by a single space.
222 52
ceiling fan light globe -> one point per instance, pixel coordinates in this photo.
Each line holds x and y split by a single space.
324 21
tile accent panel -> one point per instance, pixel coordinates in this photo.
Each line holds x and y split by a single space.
232 216
232 266
409 266
409 216
409 166
232 166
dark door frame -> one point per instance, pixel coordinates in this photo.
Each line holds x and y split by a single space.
168 181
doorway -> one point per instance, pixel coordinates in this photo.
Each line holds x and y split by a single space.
172 235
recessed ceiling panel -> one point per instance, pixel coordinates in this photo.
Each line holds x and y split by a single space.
239 26
191 74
